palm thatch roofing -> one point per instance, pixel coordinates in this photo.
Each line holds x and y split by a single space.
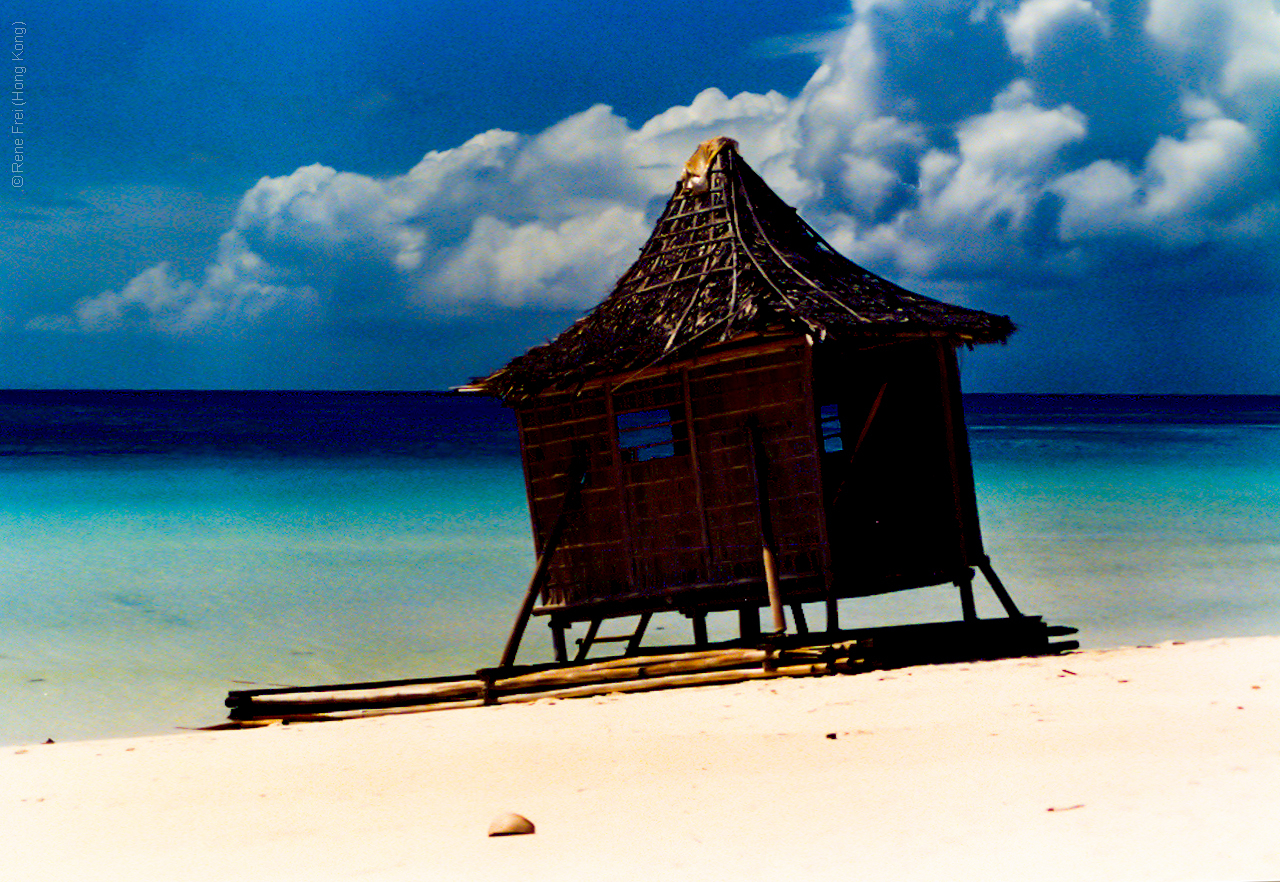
727 259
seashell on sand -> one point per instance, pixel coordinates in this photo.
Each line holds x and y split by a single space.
510 824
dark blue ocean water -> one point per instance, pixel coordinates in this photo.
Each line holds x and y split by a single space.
160 548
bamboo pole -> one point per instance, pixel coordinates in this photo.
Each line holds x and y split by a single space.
278 704
634 671
577 476
768 551
998 587
584 691
614 675
649 684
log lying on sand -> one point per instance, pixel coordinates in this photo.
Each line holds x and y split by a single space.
316 714
857 650
626 674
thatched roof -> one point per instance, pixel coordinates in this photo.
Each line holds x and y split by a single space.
729 258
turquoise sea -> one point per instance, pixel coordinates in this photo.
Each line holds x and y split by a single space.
159 549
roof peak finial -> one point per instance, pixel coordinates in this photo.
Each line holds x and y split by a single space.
694 178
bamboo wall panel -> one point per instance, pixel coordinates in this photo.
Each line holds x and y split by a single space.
647 526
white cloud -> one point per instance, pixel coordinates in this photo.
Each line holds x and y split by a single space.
1189 190
1235 42
1198 173
565 264
236 290
975 202
1036 22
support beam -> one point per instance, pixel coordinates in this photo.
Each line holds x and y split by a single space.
633 645
699 620
998 587
797 617
557 639
966 598
584 645
577 477
768 547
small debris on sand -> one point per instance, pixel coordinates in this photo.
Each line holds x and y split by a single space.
510 824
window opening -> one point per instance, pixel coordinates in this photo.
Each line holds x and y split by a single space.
651 434
832 441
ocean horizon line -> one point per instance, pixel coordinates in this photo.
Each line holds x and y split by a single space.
463 393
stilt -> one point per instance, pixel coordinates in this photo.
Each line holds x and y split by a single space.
998 587
557 639
768 548
797 617
577 477
966 598
584 645
749 623
699 620
633 645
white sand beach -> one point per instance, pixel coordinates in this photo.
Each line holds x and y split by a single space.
1157 763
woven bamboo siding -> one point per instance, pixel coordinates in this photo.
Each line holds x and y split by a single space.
772 388
650 526
593 548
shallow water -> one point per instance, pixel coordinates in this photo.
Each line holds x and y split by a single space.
157 552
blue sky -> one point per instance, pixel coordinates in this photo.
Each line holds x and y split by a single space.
394 195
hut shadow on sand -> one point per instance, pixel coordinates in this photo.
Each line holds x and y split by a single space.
748 421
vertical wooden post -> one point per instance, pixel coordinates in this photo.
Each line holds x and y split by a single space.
768 548
699 619
814 409
577 477
695 461
966 598
558 628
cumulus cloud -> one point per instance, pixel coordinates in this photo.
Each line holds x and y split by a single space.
936 142
1036 24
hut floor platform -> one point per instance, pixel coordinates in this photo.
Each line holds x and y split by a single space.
801 655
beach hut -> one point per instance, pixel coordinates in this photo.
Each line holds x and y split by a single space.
749 420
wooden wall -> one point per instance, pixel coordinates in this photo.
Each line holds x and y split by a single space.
671 519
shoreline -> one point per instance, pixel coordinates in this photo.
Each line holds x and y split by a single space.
1143 762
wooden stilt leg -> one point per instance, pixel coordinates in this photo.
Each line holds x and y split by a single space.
557 638
797 616
998 587
577 476
699 628
584 645
768 549
633 645
833 615
749 623
966 599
